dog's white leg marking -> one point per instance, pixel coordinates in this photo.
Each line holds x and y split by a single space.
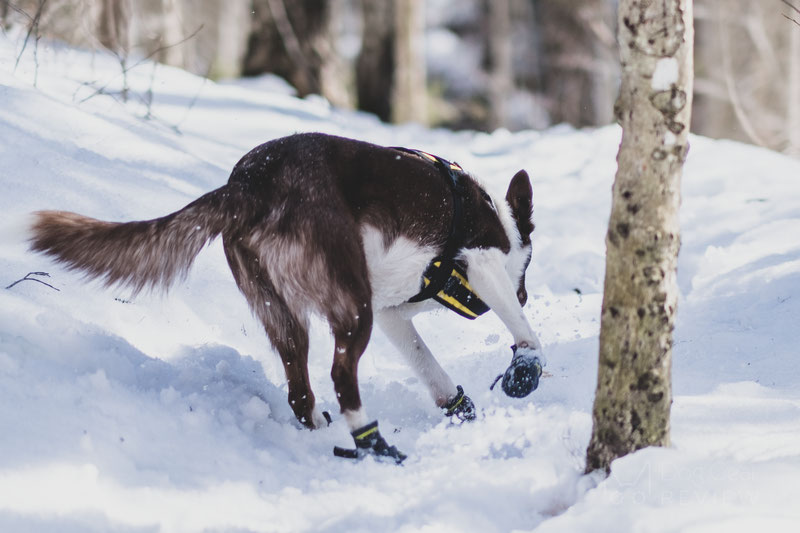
356 419
487 274
317 418
404 336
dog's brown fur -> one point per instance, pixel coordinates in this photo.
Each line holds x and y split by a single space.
290 217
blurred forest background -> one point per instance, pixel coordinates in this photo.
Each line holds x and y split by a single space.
480 64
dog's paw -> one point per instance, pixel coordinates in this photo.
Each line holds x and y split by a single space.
530 352
320 419
369 441
460 406
522 376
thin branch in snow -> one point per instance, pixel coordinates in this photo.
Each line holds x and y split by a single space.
29 278
32 29
125 70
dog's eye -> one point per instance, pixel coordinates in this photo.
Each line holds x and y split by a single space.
488 199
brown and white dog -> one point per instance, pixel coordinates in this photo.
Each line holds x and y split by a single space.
344 228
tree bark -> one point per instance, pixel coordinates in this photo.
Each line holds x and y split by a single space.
578 71
501 73
409 90
375 63
290 39
4 13
633 396
793 92
113 26
227 42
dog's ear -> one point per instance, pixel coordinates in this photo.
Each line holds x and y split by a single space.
520 200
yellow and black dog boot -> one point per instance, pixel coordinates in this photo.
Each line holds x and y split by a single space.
369 441
460 406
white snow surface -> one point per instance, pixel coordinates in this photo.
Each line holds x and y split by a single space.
168 413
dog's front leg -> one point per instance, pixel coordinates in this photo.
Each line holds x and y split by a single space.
487 274
404 336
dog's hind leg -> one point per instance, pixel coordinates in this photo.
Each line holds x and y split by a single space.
287 331
349 314
351 334
346 301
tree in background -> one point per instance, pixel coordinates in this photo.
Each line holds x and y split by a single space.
409 89
563 65
577 56
390 68
375 63
499 61
293 40
634 391
746 81
4 9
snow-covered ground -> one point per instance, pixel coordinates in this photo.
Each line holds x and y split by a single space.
168 413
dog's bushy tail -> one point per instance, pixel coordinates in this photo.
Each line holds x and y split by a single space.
148 254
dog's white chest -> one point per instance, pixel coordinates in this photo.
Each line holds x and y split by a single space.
395 271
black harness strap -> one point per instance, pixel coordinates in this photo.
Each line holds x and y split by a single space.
444 279
437 277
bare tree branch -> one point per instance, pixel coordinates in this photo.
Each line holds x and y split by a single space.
126 69
33 28
796 10
730 83
29 278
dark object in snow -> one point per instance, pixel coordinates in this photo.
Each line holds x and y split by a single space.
29 278
370 442
460 406
522 376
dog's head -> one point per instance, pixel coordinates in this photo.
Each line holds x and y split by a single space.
520 202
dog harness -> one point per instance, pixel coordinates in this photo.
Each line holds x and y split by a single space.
444 279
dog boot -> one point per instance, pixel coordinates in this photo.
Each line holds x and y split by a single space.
522 376
369 441
460 406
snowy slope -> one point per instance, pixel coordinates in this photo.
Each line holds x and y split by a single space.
169 413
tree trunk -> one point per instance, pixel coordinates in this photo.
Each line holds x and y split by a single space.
793 93
578 67
285 40
113 26
501 74
633 396
228 43
4 13
409 90
375 63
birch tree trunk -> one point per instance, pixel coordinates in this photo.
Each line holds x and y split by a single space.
633 396
501 72
113 26
409 92
793 93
